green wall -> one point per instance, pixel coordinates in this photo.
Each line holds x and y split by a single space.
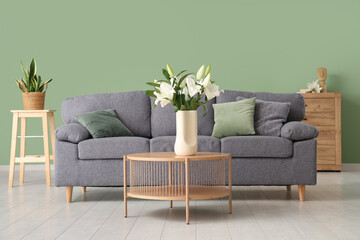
111 46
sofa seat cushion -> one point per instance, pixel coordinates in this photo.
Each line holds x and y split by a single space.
166 144
257 146
112 147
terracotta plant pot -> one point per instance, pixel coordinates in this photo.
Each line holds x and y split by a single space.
33 100
186 133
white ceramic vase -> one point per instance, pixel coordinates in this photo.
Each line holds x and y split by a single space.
186 133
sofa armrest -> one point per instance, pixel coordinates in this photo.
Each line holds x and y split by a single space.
72 132
298 131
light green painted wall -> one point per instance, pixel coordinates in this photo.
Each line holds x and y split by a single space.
110 46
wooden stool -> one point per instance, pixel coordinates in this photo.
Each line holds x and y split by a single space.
24 114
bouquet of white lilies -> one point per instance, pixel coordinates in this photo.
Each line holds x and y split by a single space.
184 91
314 86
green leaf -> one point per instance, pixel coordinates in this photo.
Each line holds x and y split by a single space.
193 104
32 68
187 105
24 70
166 81
205 110
181 72
166 74
150 93
153 106
20 85
41 88
153 84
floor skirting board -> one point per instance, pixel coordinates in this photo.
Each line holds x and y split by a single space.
38 167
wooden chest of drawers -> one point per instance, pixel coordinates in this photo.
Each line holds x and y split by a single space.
323 110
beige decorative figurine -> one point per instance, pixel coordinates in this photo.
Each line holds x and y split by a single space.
322 74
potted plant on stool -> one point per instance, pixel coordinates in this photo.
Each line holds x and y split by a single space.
32 88
186 92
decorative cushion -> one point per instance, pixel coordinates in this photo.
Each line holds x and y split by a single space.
166 144
298 131
297 108
257 146
132 108
72 132
234 118
102 124
163 120
112 148
269 117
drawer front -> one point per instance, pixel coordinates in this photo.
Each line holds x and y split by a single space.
326 154
319 119
320 105
326 135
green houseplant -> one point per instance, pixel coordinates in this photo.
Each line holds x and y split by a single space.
32 87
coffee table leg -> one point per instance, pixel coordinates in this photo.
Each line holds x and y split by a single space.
125 187
187 188
170 180
230 187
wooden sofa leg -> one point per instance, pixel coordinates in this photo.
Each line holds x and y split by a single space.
83 189
288 188
69 191
301 192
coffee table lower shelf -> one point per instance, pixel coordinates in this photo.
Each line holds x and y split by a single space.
178 192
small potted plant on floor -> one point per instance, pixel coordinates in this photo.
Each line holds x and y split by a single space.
186 92
33 88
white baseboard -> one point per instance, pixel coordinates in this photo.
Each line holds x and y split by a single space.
41 167
351 166
28 167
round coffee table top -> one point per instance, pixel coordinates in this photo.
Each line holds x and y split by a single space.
171 156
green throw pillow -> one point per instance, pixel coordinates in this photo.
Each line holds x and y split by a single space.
234 118
102 124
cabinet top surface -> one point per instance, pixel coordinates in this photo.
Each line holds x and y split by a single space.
321 95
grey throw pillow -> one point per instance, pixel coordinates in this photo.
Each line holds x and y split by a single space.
269 117
102 124
298 131
72 132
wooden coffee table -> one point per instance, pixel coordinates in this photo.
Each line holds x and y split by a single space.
167 176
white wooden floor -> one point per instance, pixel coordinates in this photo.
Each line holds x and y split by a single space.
34 211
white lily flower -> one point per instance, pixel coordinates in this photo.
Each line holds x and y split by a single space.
185 91
200 72
182 85
206 80
192 87
314 86
211 91
166 93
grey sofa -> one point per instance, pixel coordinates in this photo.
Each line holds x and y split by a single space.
257 160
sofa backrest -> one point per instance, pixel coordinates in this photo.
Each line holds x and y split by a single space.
163 120
297 107
132 108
